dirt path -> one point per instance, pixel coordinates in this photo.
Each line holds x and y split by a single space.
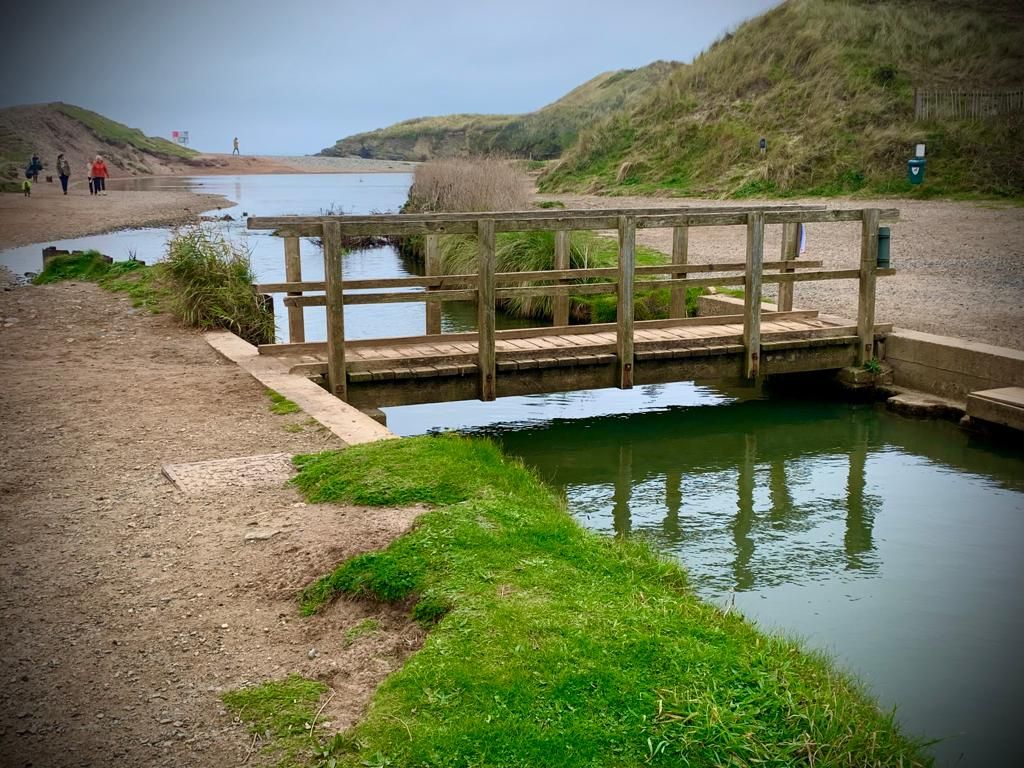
126 606
960 265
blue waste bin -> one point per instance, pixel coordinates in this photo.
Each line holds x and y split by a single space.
915 170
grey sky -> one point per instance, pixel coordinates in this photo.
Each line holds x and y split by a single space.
294 76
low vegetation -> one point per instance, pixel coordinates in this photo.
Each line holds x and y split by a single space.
493 184
118 134
281 716
204 280
551 645
537 135
830 84
281 405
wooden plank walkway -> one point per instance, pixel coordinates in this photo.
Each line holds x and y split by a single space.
430 357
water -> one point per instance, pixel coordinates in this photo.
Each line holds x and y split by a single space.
892 544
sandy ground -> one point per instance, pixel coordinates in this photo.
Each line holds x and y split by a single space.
960 265
128 607
50 215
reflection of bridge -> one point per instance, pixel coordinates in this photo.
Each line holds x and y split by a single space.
760 450
439 367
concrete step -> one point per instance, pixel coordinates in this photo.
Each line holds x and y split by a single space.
1003 406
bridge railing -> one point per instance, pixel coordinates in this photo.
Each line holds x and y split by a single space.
487 286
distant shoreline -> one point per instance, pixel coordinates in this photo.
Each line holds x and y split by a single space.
240 165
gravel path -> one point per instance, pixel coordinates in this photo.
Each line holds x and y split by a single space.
960 265
128 607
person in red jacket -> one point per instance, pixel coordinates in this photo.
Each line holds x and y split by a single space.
99 175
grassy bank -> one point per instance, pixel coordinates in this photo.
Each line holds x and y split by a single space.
831 85
554 646
204 281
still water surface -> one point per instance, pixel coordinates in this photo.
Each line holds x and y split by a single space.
892 544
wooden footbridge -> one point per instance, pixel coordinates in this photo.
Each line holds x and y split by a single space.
486 363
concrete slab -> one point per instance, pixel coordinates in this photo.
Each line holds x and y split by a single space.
1004 406
951 367
348 423
268 471
921 405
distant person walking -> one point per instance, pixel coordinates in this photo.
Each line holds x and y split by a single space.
88 176
234 147
64 171
99 175
35 165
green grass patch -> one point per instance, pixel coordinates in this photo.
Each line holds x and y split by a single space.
113 132
362 629
285 710
556 646
280 404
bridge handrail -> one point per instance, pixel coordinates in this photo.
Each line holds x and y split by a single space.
484 287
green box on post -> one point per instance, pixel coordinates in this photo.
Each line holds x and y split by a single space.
915 170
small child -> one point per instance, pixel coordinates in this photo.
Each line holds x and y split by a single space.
26 187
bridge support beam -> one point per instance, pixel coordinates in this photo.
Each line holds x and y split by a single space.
624 305
790 251
560 303
752 295
293 274
336 378
432 266
866 294
485 311
680 255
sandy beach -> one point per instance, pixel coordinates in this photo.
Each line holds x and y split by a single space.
50 215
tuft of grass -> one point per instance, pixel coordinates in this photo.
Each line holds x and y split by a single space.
281 405
555 646
214 285
87 265
362 629
468 184
284 710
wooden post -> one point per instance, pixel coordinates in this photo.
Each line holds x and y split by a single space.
485 309
560 304
790 251
680 246
624 307
752 294
293 274
866 295
432 259
335 310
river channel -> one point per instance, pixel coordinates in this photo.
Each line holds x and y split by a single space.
891 544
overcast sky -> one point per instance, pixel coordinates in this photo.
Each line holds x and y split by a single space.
293 76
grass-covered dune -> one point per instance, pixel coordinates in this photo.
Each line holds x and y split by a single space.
540 135
830 84
553 646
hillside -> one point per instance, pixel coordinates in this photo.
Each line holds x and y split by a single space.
539 135
831 85
47 129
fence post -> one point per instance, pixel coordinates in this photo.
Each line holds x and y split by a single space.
624 306
432 264
560 303
866 295
336 379
680 246
790 252
293 274
485 309
752 295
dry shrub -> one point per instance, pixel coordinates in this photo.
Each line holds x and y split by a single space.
468 184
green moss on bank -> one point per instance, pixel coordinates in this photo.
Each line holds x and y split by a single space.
555 646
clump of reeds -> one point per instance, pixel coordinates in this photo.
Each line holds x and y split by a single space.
213 286
468 184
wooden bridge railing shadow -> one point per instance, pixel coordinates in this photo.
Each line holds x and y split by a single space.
486 286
